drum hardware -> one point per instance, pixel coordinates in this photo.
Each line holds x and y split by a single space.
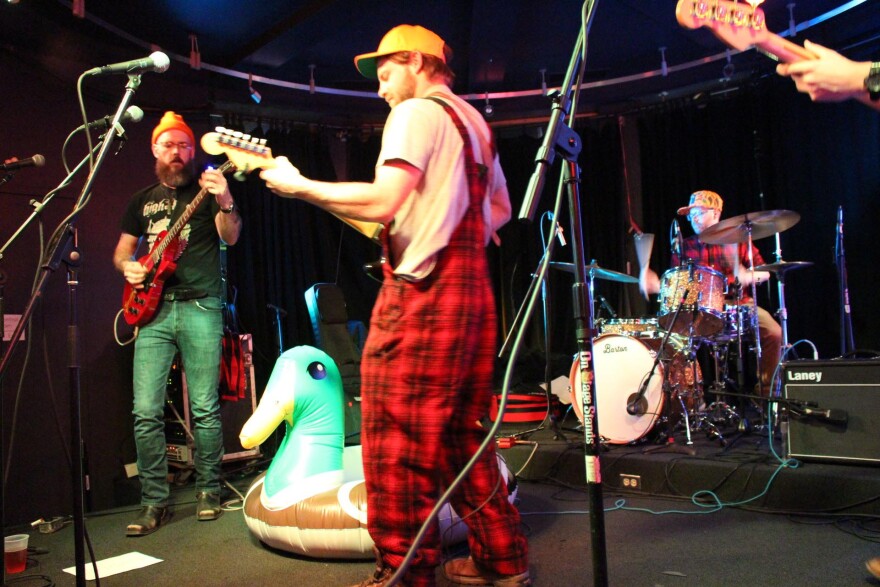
719 413
747 228
636 404
779 269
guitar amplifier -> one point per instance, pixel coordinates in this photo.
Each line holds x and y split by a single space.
839 406
233 414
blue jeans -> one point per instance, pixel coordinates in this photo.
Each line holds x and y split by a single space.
195 328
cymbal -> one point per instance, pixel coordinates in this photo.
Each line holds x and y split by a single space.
783 266
761 224
596 271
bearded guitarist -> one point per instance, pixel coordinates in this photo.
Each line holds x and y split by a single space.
187 316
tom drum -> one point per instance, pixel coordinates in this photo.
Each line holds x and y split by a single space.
700 293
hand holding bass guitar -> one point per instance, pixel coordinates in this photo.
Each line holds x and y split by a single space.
248 154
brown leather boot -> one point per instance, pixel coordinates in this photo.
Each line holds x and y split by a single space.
380 576
465 571
148 521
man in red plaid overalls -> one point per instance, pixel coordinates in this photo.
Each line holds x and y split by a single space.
427 364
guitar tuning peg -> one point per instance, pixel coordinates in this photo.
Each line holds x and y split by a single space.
262 142
221 130
246 138
239 175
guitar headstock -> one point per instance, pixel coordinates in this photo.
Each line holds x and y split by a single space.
245 152
736 23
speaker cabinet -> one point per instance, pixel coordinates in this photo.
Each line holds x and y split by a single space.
843 387
233 414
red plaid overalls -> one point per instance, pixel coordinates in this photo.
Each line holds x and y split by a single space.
426 380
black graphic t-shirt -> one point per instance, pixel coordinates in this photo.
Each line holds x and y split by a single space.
154 210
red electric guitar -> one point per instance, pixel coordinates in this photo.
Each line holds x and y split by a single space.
740 26
139 304
248 154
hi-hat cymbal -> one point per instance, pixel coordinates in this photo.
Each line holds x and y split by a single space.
597 272
783 266
760 224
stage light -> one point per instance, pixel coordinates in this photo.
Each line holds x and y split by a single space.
255 95
195 57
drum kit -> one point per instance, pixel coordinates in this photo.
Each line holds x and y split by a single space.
646 374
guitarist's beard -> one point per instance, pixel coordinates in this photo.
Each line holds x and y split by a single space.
173 176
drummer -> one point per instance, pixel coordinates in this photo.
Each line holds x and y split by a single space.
704 211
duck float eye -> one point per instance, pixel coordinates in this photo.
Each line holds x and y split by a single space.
317 370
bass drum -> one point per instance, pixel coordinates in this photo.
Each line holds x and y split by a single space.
621 364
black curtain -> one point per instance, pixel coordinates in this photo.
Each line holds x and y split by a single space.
288 245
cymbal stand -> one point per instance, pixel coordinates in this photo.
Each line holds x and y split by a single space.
776 410
754 315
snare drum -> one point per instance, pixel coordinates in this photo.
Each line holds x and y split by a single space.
621 363
739 320
700 292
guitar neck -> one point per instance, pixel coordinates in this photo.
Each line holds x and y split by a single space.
784 50
738 26
248 154
183 220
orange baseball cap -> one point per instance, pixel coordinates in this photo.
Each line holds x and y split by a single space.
172 121
405 37
702 199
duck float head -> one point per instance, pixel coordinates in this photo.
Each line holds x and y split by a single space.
312 499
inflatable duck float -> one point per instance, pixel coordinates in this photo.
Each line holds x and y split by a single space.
312 499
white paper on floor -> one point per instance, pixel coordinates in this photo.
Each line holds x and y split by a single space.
116 565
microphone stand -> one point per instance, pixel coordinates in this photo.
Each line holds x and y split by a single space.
63 249
637 405
847 345
559 137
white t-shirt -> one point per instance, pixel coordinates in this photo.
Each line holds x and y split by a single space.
420 132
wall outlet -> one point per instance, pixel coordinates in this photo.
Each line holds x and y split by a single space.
631 481
131 470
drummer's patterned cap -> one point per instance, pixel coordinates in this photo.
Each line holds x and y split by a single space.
702 199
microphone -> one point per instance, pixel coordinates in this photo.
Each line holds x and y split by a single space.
607 306
559 235
675 238
832 415
636 404
35 161
132 113
157 62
